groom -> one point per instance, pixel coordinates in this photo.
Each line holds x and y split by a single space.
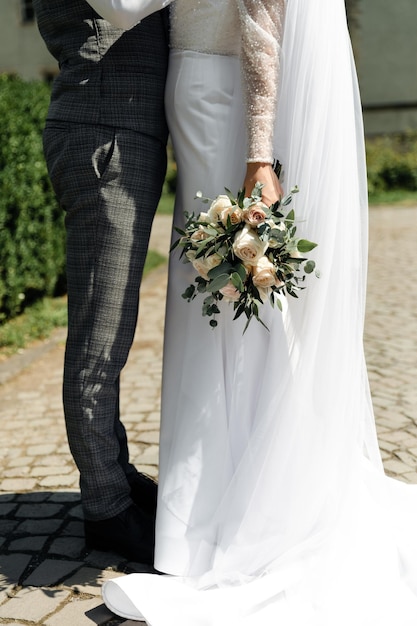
105 146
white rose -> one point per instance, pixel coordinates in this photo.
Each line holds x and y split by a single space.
264 274
273 224
203 265
190 254
217 206
247 245
203 217
230 293
234 212
255 215
199 235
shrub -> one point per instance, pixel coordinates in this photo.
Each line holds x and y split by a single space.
392 162
31 224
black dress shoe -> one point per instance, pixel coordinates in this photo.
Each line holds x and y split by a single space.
143 491
130 534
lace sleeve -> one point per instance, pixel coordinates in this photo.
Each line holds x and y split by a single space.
126 13
261 26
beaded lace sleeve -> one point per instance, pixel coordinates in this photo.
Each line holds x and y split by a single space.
261 27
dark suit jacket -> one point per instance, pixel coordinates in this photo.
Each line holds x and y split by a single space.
107 76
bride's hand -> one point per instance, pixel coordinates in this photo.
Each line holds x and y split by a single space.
263 173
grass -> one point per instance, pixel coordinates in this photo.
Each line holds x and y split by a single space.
398 197
166 204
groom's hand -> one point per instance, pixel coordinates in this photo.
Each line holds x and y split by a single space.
263 173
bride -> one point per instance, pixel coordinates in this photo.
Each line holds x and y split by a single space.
273 506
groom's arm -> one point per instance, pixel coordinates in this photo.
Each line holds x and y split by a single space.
126 13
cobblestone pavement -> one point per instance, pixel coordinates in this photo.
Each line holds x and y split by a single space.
47 577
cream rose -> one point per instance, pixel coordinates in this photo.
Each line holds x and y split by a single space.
203 265
247 246
234 212
217 206
203 217
264 275
255 215
199 235
230 293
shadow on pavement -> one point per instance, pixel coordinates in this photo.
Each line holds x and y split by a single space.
42 547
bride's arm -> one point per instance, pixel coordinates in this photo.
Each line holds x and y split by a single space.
126 13
262 28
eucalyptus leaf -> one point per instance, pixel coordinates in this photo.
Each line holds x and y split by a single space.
218 283
222 268
290 216
241 270
304 245
286 200
236 281
309 267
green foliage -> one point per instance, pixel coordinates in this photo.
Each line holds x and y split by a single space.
31 223
392 163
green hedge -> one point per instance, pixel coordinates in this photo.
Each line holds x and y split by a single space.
31 224
392 162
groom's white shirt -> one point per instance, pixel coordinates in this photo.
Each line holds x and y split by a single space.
126 13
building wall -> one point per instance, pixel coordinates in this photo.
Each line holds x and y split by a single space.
386 53
22 50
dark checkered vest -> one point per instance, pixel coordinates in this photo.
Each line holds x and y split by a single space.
107 76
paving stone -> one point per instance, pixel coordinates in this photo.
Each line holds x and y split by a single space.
149 437
7 497
28 544
12 567
50 572
103 560
33 605
6 508
37 511
66 496
90 580
58 481
40 527
395 467
407 458
48 470
67 546
7 527
41 450
73 529
18 484
35 496
81 612
20 461
410 477
151 470
77 511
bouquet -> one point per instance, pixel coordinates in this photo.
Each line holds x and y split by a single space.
245 253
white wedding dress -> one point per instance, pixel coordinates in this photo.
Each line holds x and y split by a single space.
273 506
